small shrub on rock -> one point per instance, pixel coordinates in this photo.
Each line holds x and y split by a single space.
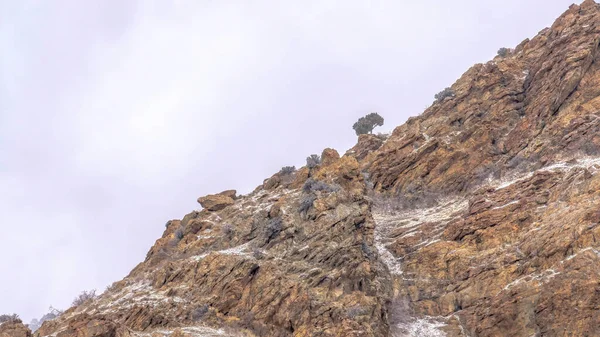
199 312
367 250
306 203
307 187
273 228
179 233
440 96
356 311
111 287
503 52
228 230
84 297
313 161
9 318
286 170
312 185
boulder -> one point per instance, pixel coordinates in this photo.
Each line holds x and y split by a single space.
217 202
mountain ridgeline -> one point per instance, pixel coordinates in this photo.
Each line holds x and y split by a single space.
477 218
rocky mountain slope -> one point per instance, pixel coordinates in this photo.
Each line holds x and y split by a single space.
477 218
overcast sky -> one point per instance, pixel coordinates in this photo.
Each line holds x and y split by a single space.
116 115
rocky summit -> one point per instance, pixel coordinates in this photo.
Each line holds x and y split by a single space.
477 218
14 328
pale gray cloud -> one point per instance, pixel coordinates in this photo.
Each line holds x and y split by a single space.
116 115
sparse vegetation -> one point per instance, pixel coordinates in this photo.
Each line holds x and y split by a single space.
273 228
367 123
9 318
179 234
312 185
306 203
367 250
199 312
110 287
84 297
356 311
440 96
503 52
313 161
412 197
519 163
286 170
228 230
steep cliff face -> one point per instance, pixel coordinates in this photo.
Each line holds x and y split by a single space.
495 218
477 218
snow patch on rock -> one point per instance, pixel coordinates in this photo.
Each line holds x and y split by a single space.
426 326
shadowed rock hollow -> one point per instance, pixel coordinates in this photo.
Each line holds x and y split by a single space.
477 218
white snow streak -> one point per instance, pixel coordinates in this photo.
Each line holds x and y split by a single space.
422 327
240 250
412 219
590 163
195 331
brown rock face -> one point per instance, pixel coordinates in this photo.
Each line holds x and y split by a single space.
367 143
478 218
487 213
329 156
277 262
216 202
229 193
14 329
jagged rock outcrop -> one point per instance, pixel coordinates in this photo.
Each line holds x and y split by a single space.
216 202
367 143
329 156
477 218
14 328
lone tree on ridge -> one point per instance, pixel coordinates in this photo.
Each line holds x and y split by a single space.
367 123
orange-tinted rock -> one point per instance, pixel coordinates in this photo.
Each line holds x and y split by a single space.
366 144
329 156
216 202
